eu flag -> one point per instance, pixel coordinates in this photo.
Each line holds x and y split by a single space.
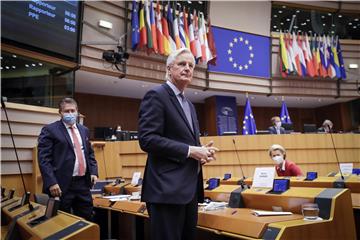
284 115
135 31
241 53
249 126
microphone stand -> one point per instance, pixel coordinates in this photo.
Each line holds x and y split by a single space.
337 159
31 208
241 181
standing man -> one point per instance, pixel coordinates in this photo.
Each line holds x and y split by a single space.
276 127
66 161
169 133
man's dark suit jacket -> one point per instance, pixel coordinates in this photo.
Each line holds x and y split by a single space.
272 130
164 133
56 156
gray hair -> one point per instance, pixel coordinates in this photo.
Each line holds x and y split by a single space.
276 147
327 122
172 57
67 100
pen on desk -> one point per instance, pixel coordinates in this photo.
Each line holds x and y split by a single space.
233 212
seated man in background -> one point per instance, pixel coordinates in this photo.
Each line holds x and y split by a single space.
284 168
326 127
276 126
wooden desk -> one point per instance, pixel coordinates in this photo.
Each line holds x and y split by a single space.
63 225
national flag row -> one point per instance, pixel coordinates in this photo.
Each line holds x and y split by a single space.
312 56
162 31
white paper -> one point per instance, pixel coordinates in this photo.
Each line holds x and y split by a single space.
259 213
135 178
346 168
117 196
263 177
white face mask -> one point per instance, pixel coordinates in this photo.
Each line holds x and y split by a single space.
278 124
278 159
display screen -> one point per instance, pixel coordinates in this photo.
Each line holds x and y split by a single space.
281 185
356 171
311 175
52 26
213 183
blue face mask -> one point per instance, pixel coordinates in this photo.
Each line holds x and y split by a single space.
69 118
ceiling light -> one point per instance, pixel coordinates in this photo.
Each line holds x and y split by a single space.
252 97
308 20
274 26
275 16
323 17
33 64
354 27
40 64
1 57
283 6
356 19
296 27
340 16
1 68
288 19
333 25
329 14
196 93
7 67
297 11
350 23
27 65
276 98
332 32
13 67
279 11
353 66
294 15
14 56
324 24
281 23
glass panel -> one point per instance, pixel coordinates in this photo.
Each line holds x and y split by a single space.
30 81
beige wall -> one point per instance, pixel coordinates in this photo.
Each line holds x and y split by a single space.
246 16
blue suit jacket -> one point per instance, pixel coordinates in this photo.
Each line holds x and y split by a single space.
272 130
56 156
165 134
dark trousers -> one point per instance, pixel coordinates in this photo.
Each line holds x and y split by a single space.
173 221
77 200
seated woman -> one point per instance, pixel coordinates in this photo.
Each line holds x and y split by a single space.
276 126
283 167
326 127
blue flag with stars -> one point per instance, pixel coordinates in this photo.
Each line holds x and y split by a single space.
284 115
241 53
135 32
249 126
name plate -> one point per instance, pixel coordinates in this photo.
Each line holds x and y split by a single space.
264 177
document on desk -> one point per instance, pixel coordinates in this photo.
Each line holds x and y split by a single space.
260 213
115 198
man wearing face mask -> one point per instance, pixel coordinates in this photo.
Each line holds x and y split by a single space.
283 167
66 161
276 126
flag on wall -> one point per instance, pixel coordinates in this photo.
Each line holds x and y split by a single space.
143 36
135 31
241 53
159 32
284 114
341 60
249 126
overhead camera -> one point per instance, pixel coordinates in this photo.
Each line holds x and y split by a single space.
116 57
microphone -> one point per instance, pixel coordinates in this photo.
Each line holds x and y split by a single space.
241 181
337 159
31 208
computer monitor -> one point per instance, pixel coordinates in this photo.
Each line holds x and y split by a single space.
103 133
122 135
310 128
287 126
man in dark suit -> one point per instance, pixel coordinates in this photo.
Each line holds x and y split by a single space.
276 126
66 161
169 133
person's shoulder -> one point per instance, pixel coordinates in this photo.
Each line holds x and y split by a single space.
53 124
